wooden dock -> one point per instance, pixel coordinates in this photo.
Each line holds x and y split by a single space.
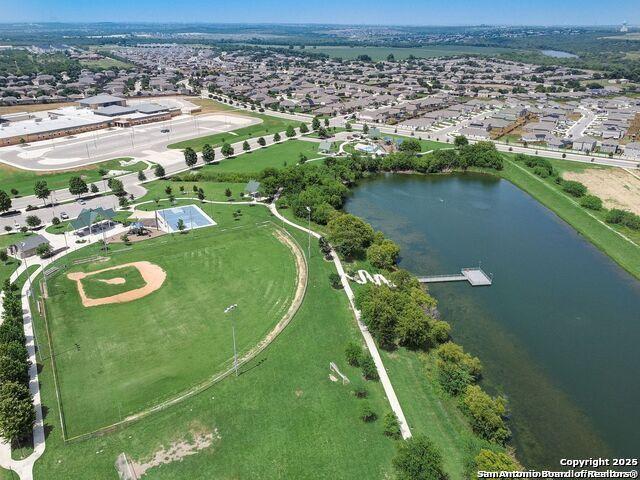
475 276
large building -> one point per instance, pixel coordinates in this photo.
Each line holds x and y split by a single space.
92 113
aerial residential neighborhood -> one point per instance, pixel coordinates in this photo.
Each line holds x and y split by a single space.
270 242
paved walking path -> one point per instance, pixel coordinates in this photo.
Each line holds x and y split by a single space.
371 345
24 468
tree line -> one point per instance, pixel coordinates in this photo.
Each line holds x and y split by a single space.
17 414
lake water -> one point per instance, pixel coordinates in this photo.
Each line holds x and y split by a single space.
558 54
557 332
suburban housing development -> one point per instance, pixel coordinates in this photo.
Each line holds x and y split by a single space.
255 250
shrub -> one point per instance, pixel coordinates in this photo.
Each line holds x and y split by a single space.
335 281
391 425
368 367
353 353
573 188
366 413
418 459
591 202
490 461
360 391
541 172
486 414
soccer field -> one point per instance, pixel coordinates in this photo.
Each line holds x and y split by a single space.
117 359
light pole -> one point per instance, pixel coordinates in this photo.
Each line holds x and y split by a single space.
229 309
309 233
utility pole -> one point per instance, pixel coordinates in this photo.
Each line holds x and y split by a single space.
229 309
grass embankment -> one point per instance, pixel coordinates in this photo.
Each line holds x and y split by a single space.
430 411
620 243
281 418
24 180
274 156
268 126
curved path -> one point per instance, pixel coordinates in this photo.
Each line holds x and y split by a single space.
368 338
24 467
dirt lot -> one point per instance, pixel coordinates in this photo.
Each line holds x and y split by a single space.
615 186
38 107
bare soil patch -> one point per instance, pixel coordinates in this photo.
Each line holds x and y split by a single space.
176 452
615 186
152 274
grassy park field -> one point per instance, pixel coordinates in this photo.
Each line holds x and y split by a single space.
213 190
24 180
190 342
281 418
283 154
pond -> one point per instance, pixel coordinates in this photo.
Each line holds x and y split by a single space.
558 330
558 54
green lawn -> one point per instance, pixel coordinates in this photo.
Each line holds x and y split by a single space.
268 126
24 180
281 418
277 156
608 238
213 190
97 286
184 321
7 268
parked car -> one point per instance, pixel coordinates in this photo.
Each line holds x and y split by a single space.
64 216
82 202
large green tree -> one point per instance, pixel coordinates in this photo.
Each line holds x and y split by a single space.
41 190
208 154
5 201
77 186
350 235
418 459
190 157
17 414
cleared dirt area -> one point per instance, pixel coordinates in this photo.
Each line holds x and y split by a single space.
176 452
152 274
37 107
616 187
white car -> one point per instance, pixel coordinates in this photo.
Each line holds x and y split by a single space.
64 216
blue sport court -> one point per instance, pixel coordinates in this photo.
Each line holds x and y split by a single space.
192 216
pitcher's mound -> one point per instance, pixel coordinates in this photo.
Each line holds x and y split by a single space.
152 275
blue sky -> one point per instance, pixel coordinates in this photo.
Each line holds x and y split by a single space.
398 12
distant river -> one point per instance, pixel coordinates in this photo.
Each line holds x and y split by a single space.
559 330
558 54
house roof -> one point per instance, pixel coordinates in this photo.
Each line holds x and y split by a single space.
31 242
